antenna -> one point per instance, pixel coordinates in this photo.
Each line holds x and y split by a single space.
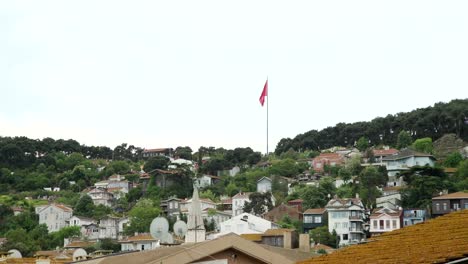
180 228
159 227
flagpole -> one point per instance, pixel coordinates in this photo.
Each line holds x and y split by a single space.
268 95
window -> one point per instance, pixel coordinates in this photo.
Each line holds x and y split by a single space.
381 222
437 205
374 224
317 219
444 205
387 224
345 236
345 225
307 219
176 205
394 225
466 205
142 247
456 206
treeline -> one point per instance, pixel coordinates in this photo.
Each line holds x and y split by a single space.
433 122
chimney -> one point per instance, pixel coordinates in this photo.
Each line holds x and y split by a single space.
304 242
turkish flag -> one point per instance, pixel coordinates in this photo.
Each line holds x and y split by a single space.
264 93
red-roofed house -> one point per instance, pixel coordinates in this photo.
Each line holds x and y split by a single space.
330 159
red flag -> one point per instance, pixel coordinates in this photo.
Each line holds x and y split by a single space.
264 93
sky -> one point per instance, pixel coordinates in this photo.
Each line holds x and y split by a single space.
189 73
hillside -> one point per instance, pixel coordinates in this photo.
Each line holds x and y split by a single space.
433 121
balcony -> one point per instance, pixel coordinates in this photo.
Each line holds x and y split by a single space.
356 230
355 218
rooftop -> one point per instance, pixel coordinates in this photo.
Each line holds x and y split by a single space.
406 153
439 240
315 211
456 195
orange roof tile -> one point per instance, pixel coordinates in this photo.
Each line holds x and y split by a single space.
139 237
438 240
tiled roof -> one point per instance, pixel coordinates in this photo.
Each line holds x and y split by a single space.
242 195
139 237
63 207
277 232
296 201
252 237
376 213
315 211
344 202
384 152
79 244
456 195
227 201
438 240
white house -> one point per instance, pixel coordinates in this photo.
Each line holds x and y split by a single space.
346 217
403 161
215 215
238 202
101 196
384 220
80 221
55 216
264 185
206 180
139 242
112 227
246 224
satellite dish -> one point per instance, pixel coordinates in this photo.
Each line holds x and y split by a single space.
159 226
79 254
167 239
180 228
14 253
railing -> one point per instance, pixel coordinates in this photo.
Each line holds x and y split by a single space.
355 217
356 229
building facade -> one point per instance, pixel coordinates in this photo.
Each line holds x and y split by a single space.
385 220
314 218
346 217
448 203
55 216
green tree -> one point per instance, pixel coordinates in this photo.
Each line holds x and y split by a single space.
84 206
259 204
369 179
362 143
344 174
423 145
19 239
320 235
141 216
453 160
158 162
286 167
404 140
109 244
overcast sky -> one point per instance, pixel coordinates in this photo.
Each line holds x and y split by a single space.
176 73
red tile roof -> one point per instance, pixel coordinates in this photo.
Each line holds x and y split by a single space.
456 195
139 237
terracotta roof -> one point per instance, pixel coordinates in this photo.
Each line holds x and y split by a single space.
252 237
344 202
196 252
227 201
115 189
242 195
456 195
79 244
450 170
384 152
277 232
139 237
63 207
376 213
296 201
315 211
438 240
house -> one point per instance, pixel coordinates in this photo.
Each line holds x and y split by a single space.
210 214
313 218
380 154
230 248
116 184
346 217
451 202
326 159
385 220
90 232
79 221
225 205
440 240
139 242
206 180
54 216
278 213
281 237
101 196
166 152
246 224
413 216
170 206
112 227
238 202
391 201
264 185
296 202
204 202
403 161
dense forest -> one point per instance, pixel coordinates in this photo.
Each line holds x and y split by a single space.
433 122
